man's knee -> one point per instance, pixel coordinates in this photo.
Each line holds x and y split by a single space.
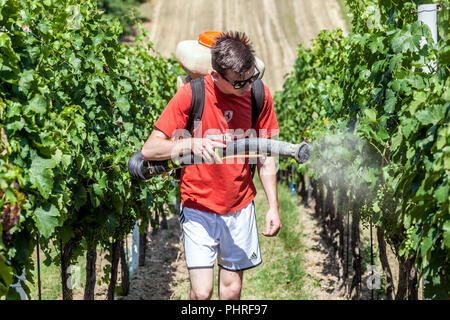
201 294
230 291
202 283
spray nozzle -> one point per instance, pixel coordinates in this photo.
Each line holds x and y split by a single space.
302 152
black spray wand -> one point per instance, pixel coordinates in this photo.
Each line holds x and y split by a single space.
145 169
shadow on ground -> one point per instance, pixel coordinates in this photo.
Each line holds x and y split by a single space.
322 259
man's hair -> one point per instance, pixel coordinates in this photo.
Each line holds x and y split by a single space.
232 51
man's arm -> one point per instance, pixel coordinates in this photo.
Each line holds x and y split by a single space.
160 147
268 177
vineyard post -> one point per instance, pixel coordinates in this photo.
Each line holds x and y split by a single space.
303 192
329 212
156 224
309 190
347 254
323 197
91 258
340 231
143 243
115 257
427 13
320 198
135 249
38 268
356 253
385 264
292 186
371 256
125 270
66 252
313 191
163 217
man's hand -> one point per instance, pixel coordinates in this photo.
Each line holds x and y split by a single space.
273 223
160 147
267 174
205 148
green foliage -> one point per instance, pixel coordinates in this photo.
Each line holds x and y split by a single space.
123 10
382 85
75 104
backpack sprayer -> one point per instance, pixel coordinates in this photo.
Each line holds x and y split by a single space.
145 169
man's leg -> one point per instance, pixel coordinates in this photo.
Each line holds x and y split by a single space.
202 280
230 284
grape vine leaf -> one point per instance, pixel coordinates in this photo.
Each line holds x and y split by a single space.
431 115
38 104
41 175
5 273
46 219
447 234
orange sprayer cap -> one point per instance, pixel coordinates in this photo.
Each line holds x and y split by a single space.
208 38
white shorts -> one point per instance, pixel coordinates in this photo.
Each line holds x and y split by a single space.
231 238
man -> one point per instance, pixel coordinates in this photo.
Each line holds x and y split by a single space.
217 216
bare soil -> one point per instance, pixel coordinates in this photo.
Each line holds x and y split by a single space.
164 275
320 264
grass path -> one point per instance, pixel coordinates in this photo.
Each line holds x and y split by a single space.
281 275
51 278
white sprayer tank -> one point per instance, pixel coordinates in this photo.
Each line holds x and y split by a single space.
195 58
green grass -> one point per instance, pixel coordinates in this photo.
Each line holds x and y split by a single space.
51 288
281 275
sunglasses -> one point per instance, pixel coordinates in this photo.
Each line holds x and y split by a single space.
237 84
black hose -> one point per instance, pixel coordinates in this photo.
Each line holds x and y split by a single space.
145 169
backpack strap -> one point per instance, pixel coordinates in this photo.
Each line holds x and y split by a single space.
257 100
257 106
195 110
197 103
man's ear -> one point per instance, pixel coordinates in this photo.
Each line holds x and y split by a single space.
215 75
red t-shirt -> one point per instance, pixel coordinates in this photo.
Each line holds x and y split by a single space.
227 187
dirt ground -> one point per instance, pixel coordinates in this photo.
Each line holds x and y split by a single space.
275 27
164 275
319 260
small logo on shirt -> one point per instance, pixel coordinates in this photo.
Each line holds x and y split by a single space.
253 256
228 115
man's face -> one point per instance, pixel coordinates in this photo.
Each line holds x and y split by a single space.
225 82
